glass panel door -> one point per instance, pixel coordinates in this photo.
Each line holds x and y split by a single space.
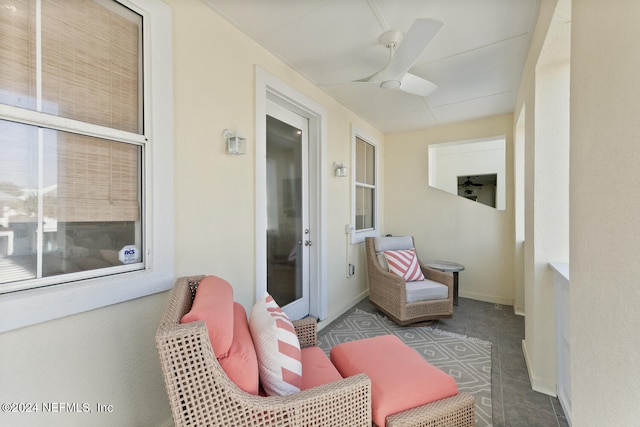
288 235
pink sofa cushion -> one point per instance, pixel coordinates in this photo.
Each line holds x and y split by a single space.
213 304
241 363
317 369
400 378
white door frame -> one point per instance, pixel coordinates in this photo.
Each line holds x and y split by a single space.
271 88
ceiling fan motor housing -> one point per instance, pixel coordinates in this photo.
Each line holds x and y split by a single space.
390 84
391 38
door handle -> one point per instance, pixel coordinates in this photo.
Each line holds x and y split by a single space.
308 243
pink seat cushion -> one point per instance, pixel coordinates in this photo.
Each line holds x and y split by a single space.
213 304
241 362
317 369
400 378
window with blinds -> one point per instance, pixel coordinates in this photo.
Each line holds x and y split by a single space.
365 185
72 141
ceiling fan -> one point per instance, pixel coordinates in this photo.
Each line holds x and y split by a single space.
468 183
402 57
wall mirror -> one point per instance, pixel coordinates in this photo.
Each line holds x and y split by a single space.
472 169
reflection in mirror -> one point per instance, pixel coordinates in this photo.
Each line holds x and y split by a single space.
479 188
473 169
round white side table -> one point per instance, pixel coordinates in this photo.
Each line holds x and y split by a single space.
453 267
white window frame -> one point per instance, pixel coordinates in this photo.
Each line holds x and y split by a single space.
358 236
27 307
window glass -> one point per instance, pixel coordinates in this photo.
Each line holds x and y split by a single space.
68 202
86 65
17 54
365 185
365 162
70 194
364 208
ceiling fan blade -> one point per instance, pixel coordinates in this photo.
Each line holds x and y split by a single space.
413 44
413 84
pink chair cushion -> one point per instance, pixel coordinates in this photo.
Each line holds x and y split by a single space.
400 378
241 362
317 369
213 304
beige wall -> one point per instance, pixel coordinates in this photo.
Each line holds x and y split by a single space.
215 192
108 355
105 356
605 221
446 226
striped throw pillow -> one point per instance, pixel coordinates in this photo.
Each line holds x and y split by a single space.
405 264
277 348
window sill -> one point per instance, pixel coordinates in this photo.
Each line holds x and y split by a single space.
29 307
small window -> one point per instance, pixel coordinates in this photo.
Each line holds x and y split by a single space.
365 197
72 138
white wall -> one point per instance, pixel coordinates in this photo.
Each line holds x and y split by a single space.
605 220
547 199
543 97
446 226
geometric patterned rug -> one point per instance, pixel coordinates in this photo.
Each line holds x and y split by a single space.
466 359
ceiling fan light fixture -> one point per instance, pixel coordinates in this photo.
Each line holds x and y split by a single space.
403 56
390 84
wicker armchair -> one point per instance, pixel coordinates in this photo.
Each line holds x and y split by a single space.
201 394
388 291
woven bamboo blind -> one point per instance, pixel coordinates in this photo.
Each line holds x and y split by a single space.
91 61
90 71
97 179
17 54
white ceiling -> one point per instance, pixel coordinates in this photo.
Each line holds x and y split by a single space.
476 59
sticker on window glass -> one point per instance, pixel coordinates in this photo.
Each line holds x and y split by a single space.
129 254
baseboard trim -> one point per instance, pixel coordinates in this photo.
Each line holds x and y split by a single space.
486 298
519 311
566 406
341 310
537 384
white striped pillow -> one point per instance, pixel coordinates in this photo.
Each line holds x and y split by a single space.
277 347
405 264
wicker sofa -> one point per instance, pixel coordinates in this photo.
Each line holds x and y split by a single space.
201 394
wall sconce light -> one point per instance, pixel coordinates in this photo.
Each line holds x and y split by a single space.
236 143
339 169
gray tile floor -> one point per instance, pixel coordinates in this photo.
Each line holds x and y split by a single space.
515 404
